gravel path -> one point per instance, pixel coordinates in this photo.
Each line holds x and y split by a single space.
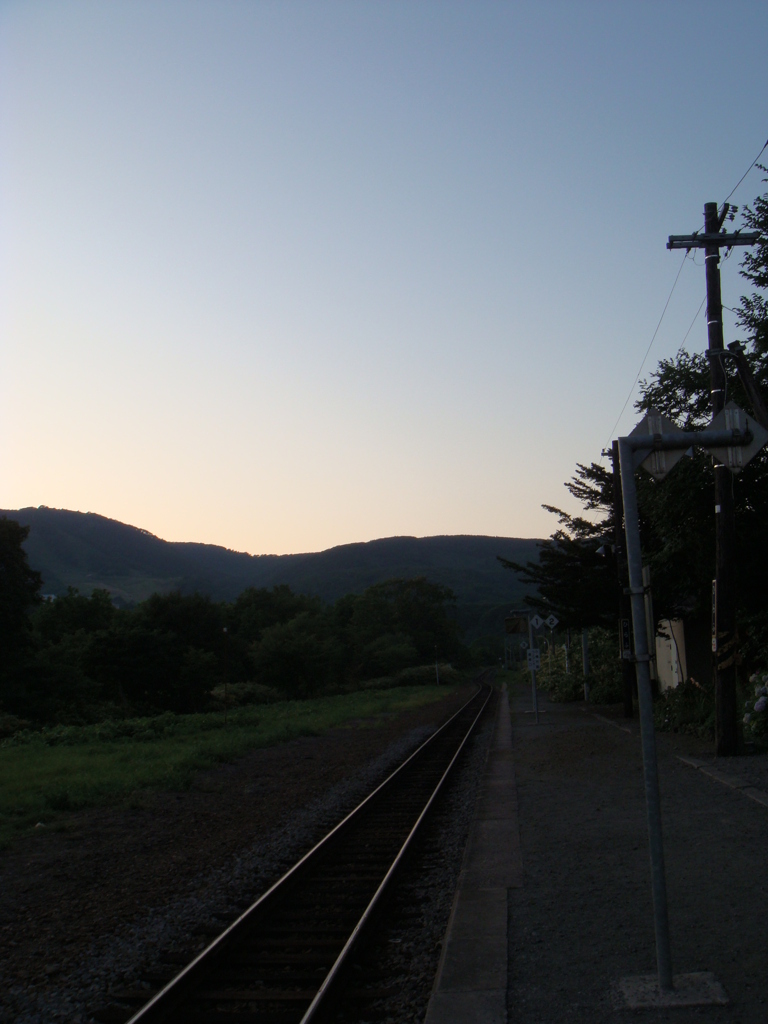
86 909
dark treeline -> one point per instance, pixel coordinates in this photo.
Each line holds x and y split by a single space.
79 658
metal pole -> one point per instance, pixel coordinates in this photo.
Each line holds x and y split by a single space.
724 644
645 701
650 625
618 535
533 672
585 661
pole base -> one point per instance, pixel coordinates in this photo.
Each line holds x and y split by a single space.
701 988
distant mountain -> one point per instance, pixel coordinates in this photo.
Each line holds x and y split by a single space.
89 551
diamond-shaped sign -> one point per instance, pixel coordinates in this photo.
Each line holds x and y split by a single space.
552 621
734 418
658 464
536 621
524 644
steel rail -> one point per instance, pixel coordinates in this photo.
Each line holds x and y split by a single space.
317 1005
170 998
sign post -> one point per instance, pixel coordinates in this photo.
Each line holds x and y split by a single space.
524 622
534 622
655 444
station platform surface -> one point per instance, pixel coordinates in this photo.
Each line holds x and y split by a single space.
554 907
471 982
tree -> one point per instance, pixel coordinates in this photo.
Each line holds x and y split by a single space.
412 614
72 612
19 588
753 312
573 577
149 670
301 657
194 619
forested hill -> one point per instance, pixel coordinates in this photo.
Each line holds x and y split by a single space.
88 551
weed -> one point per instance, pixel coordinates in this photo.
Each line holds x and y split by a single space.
65 768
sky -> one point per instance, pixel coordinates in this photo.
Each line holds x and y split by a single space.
286 275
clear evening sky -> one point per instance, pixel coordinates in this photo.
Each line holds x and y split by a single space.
283 275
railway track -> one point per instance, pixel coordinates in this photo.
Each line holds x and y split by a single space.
286 958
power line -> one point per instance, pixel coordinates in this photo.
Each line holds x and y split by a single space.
648 350
765 146
693 321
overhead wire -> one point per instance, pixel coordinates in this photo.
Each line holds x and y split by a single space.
765 146
696 317
650 346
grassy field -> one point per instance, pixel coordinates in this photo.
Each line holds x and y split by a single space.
46 774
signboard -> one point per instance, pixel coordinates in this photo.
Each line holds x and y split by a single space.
516 624
734 418
536 621
534 659
625 638
658 464
552 621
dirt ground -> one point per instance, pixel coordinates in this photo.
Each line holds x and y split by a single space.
61 891
583 918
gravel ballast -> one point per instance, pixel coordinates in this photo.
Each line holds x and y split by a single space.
404 961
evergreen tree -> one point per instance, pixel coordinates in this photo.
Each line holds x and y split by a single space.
19 588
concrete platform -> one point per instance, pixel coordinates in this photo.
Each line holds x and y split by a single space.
700 988
739 782
471 982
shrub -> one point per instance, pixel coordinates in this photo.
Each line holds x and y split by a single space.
688 708
756 711
604 679
241 694
418 675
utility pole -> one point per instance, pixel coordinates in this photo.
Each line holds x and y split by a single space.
723 590
627 672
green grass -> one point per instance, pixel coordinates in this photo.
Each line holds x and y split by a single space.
65 768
